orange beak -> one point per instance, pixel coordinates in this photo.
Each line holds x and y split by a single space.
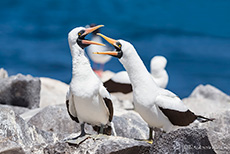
92 42
110 40
113 42
91 29
88 31
112 53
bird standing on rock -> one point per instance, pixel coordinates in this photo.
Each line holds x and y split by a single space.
87 99
160 108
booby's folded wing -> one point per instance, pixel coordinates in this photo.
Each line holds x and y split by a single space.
119 83
114 87
70 106
175 110
172 102
107 101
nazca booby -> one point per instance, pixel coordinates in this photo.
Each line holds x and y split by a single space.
97 59
120 81
160 108
87 99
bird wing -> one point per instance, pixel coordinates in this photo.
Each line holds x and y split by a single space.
113 87
70 106
119 83
174 109
107 101
169 100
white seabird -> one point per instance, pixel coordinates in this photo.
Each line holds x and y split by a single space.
160 108
87 99
120 82
97 59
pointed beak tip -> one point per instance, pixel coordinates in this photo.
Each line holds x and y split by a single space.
99 34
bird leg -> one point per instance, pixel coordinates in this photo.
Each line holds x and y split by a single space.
150 133
101 129
101 134
79 139
150 140
82 132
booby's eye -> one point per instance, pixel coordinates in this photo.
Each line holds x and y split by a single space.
119 45
80 33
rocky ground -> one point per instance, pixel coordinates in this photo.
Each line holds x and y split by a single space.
34 119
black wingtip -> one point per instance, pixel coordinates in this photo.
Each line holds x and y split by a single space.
204 119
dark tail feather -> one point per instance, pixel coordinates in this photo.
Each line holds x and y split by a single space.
203 119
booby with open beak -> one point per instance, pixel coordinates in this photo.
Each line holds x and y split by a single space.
160 108
87 99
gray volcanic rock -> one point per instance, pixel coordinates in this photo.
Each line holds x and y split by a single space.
126 123
56 119
53 92
209 92
179 141
218 131
48 127
17 110
8 147
206 100
20 90
100 146
183 141
129 124
212 103
3 73
16 133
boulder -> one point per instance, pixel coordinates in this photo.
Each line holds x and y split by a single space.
211 102
17 110
99 146
29 114
209 92
52 92
179 141
129 124
126 123
8 146
206 100
183 141
20 90
3 73
56 119
17 134
218 131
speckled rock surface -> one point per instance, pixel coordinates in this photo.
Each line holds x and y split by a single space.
20 90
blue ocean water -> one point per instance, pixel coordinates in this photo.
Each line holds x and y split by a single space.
193 35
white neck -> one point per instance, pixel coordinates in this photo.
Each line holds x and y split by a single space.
80 64
138 74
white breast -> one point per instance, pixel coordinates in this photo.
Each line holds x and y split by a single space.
91 110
